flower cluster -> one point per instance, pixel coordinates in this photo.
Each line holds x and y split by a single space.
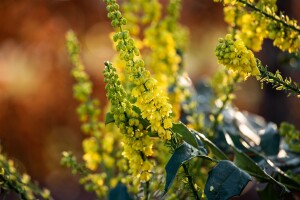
95 182
137 143
253 29
255 26
88 110
98 147
232 2
91 156
13 181
235 56
164 60
284 37
151 101
165 39
140 12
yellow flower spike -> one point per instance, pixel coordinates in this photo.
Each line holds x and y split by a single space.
235 56
167 123
148 102
137 145
145 176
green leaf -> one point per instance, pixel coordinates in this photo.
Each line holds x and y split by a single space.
144 122
281 176
119 193
109 118
225 180
271 167
288 181
182 154
136 109
268 192
246 163
188 137
214 149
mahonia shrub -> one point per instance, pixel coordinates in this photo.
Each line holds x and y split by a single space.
162 138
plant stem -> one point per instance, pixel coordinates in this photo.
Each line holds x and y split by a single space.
224 103
146 190
269 15
271 78
191 183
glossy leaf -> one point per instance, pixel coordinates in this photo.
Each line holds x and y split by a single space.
214 149
246 163
185 133
269 192
182 154
270 140
225 180
119 193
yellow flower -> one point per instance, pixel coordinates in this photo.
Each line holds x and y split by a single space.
235 56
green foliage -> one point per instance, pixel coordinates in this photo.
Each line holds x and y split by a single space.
119 193
291 136
12 181
278 82
247 164
146 102
70 161
186 134
181 155
151 132
214 149
225 180
97 146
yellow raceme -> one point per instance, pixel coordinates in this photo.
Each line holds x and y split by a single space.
234 55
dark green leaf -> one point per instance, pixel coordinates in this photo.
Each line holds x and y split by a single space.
136 109
288 181
271 168
214 149
225 180
269 192
182 154
109 118
119 193
185 133
281 176
270 140
246 163
144 122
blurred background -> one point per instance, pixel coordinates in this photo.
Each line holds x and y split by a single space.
37 112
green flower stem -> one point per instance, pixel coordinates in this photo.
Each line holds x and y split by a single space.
277 81
191 182
224 102
146 185
146 189
275 18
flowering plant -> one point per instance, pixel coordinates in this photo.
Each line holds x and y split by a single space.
144 144
163 138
